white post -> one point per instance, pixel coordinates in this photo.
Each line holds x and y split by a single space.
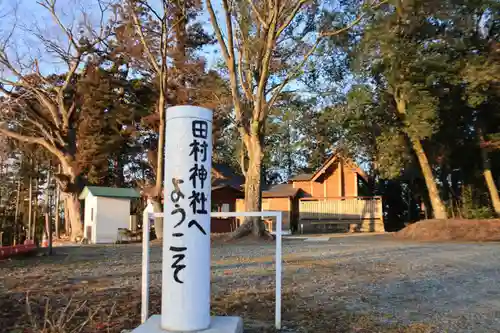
279 224
186 230
145 263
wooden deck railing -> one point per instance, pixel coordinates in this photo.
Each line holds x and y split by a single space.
341 208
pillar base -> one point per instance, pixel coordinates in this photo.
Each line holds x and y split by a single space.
217 325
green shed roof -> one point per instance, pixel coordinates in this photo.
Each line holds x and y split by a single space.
110 192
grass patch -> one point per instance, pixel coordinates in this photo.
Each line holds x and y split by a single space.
256 307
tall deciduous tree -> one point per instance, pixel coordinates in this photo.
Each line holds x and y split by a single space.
481 73
160 39
284 155
144 33
398 49
267 44
44 110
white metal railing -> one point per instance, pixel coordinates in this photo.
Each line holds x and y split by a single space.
278 258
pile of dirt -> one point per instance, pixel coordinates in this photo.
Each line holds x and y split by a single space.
452 230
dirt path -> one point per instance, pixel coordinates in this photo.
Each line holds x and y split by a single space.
352 284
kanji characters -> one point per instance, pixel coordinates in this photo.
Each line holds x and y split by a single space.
197 202
197 149
198 172
199 129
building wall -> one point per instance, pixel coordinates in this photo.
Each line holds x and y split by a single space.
223 225
351 182
283 205
335 184
112 213
304 186
224 199
271 204
89 217
318 189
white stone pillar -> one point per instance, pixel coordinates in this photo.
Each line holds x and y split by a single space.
186 230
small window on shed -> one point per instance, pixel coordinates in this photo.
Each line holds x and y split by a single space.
92 214
225 207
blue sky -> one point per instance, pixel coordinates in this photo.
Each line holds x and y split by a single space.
28 16
32 17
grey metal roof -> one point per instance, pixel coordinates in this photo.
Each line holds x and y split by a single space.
229 177
302 177
109 192
280 191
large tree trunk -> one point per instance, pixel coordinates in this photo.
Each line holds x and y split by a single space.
253 191
73 206
436 202
67 182
438 207
488 176
490 182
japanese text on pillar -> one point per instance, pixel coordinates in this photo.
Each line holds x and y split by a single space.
199 175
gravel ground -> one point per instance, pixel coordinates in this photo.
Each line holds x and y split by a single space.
349 284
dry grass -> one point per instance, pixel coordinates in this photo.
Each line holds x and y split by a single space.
452 230
60 315
59 304
72 318
348 286
309 314
255 306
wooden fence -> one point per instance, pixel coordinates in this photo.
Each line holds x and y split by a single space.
364 212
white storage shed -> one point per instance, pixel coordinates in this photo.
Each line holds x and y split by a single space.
107 209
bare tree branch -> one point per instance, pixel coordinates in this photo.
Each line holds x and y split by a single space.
152 10
264 69
290 17
257 14
29 139
50 5
138 27
246 81
229 56
218 32
356 21
292 74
